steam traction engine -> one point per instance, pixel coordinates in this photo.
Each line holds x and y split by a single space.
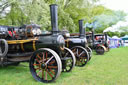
98 42
78 45
46 53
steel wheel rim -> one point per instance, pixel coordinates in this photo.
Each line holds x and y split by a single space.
90 52
81 55
44 66
71 62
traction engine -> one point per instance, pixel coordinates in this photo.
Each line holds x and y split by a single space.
46 53
78 44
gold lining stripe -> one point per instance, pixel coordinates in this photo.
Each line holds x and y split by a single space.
34 45
20 41
22 46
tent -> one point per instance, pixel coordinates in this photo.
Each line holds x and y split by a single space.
114 42
125 37
125 40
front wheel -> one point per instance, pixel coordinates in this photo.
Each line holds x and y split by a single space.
68 60
45 65
81 55
90 52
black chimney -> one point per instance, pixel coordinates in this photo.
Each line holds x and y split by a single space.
81 28
54 18
93 37
105 37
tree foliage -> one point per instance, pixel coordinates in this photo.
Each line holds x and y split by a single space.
69 11
108 18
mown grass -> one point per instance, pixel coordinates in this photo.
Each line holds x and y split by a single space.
108 69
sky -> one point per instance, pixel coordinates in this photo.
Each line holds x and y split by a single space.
116 4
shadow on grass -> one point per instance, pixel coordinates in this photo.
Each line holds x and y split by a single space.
22 73
13 68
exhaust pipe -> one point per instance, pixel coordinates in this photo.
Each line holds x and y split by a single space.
93 37
81 29
105 37
54 18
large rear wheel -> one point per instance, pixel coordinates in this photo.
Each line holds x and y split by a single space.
45 65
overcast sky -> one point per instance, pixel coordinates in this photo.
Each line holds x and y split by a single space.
116 4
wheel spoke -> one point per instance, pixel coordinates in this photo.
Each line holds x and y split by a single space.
66 54
81 53
46 75
53 67
52 62
43 57
49 60
42 73
37 68
38 56
38 60
36 64
49 73
52 71
77 51
74 51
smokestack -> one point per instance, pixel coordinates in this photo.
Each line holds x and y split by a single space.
54 18
81 28
105 37
93 37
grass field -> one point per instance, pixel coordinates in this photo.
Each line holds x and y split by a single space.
108 69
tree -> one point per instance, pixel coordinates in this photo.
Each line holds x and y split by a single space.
106 20
15 16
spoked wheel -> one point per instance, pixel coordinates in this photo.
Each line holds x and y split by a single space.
45 65
81 55
100 50
89 52
68 60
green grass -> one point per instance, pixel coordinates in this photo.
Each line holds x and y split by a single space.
108 69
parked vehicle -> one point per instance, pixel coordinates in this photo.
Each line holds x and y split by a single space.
46 53
77 42
98 42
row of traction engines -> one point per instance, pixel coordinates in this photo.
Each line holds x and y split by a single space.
48 54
